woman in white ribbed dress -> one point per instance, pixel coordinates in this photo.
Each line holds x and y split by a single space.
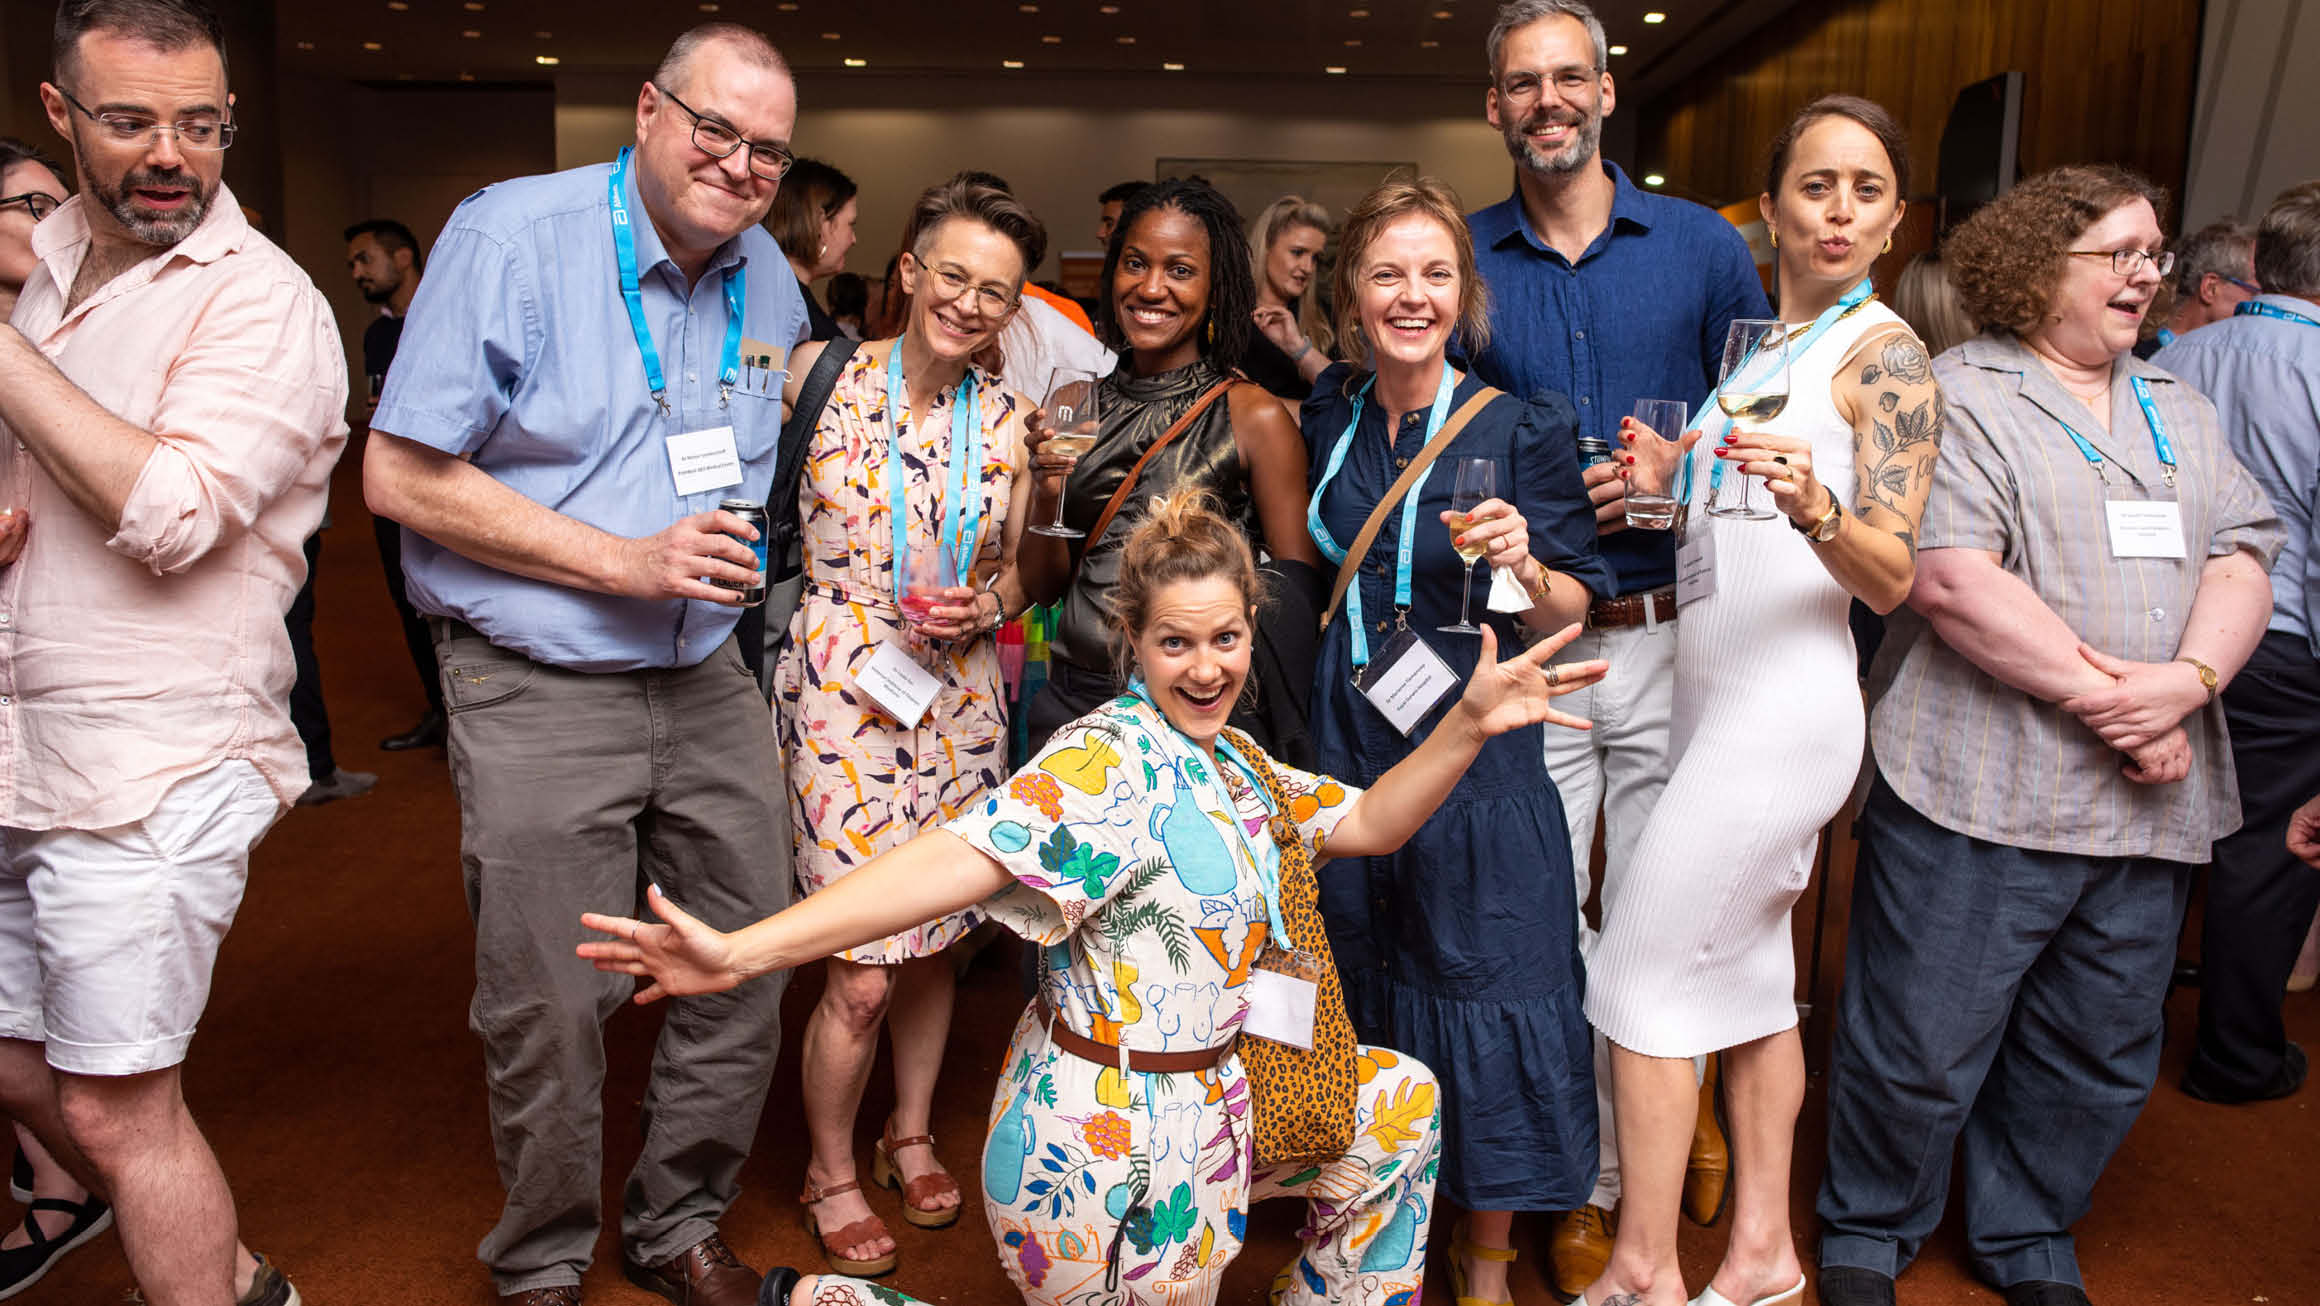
1695 954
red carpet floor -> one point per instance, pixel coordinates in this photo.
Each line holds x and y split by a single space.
336 1077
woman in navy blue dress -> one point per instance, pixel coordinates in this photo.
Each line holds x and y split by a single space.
1462 948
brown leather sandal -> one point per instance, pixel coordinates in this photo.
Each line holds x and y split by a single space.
919 1192
866 1229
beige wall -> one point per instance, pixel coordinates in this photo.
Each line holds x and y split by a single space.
1061 142
2252 136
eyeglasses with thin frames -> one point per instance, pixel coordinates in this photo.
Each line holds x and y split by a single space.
1569 83
201 132
990 300
719 141
2125 261
38 203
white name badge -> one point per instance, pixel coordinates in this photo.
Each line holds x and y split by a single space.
1405 680
701 461
901 687
1281 1003
1696 561
1507 594
2142 528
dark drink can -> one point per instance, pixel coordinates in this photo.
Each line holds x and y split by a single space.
753 512
1593 450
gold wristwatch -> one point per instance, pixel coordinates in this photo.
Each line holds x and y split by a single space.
1824 530
2207 675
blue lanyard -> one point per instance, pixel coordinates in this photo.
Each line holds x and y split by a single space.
1262 854
1330 548
2257 308
2160 444
959 523
632 295
1854 298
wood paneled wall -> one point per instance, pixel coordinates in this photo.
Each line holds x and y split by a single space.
2104 82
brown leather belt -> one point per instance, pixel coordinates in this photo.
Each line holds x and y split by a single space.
1160 1063
1628 609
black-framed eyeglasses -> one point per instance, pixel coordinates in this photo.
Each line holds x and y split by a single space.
38 203
719 141
2125 261
200 132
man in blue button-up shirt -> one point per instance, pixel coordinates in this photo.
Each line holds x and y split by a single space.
2261 367
1606 294
563 533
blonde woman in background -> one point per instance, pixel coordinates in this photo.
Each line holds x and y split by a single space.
1929 304
1294 341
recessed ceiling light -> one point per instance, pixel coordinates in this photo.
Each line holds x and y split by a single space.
544 36
306 45
1357 13
1619 49
1051 40
1428 45
710 9
398 5
1655 17
546 60
1125 40
473 6
373 45
1172 68
473 33
1107 9
1334 69
857 63
829 36
1010 63
1028 9
467 77
1654 179
787 6
1441 13
1353 43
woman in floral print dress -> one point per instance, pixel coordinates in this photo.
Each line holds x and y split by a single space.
1134 848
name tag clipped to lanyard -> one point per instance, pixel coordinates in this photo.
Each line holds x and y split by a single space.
1284 987
1695 556
1405 679
2140 528
892 676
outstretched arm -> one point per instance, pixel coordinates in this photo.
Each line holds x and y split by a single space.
1500 696
933 875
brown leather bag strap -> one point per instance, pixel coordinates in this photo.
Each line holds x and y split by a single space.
1347 569
1167 437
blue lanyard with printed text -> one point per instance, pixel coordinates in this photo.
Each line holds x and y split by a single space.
1330 548
2160 444
1262 854
632 295
1854 298
960 523
2257 308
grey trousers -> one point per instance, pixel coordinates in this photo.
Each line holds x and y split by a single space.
574 790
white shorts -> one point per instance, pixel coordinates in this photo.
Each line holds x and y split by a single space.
107 937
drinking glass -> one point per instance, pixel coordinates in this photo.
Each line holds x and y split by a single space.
928 573
1754 390
1477 480
1651 500
1072 415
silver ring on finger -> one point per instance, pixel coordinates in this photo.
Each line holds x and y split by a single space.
1554 674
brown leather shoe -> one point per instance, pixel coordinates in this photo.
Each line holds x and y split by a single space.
704 1274
1708 1171
563 1294
1578 1251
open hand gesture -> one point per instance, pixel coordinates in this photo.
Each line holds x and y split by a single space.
1503 696
682 957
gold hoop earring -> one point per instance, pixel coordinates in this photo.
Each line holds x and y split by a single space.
1888 246
1774 235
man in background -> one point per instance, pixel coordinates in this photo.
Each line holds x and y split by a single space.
2214 274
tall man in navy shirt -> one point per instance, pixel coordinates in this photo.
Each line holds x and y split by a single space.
1606 294
569 404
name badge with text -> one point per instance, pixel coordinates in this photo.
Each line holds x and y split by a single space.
901 687
1695 560
701 461
2145 528
1405 680
1283 990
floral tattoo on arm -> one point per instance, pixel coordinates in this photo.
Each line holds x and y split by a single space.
1904 435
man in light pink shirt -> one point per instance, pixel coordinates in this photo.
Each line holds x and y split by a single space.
171 396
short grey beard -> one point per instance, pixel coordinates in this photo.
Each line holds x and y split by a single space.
161 233
1581 151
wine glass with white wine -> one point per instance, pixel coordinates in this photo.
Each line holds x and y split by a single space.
1754 391
1477 481
1073 417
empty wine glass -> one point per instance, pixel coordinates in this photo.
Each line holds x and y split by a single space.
1651 500
1073 417
1754 390
1477 481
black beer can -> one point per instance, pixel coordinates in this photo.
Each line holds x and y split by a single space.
753 512
1593 450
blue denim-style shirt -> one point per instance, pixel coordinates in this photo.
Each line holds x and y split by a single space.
517 355
1641 315
2263 376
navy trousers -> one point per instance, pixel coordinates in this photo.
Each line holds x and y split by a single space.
1997 997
